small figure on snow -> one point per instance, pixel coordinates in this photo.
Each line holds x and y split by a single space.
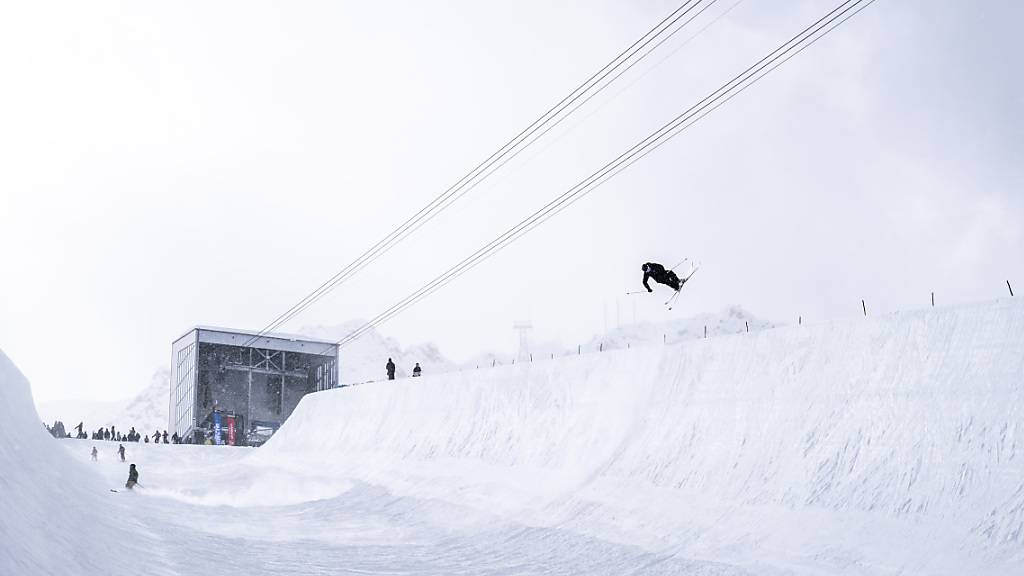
416 371
661 276
95 454
133 477
165 436
390 367
147 439
120 451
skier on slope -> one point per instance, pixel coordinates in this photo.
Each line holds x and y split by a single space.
390 367
120 451
95 453
661 276
133 477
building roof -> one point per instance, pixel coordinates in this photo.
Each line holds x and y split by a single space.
275 335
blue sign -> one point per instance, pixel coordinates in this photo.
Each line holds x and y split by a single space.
216 428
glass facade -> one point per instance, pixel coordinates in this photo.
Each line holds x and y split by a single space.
217 377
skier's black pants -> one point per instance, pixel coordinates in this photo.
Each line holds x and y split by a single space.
669 279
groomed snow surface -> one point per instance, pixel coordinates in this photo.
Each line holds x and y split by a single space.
890 445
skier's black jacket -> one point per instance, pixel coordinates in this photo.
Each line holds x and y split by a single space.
660 275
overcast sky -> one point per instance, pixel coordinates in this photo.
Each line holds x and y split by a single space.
165 164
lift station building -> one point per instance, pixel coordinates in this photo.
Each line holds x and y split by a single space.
237 387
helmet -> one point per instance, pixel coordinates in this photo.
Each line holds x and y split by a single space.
644 267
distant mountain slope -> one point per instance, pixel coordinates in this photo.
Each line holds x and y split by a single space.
363 360
71 412
148 411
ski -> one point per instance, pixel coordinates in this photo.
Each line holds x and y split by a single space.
672 299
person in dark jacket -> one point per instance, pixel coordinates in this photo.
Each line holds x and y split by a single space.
416 371
120 451
390 367
147 438
133 477
659 274
165 436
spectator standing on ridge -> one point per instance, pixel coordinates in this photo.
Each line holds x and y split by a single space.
95 453
133 477
147 438
120 450
416 371
165 436
391 369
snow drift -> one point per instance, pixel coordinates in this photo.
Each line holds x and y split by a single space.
877 445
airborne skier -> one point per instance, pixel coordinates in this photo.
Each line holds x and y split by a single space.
661 276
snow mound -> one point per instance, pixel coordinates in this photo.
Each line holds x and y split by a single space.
732 320
876 445
56 516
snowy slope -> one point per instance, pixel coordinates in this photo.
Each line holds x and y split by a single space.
147 411
870 446
56 515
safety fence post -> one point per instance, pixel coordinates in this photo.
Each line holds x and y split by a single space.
800 320
747 324
1009 287
864 306
600 347
933 299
